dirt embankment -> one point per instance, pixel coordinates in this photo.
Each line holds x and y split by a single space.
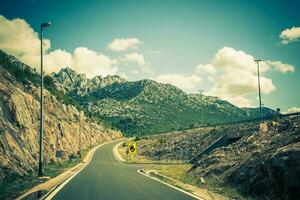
262 165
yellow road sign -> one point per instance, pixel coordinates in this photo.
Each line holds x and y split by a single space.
132 148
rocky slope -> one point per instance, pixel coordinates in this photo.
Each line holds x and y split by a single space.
79 85
146 107
19 117
262 165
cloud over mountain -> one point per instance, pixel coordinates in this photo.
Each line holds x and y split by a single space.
134 57
188 83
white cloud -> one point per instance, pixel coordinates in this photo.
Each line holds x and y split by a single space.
57 59
279 66
122 44
293 110
209 69
290 35
93 63
233 74
188 83
134 57
19 39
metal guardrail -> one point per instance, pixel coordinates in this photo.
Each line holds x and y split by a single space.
253 119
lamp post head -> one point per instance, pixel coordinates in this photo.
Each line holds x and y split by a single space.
45 25
257 60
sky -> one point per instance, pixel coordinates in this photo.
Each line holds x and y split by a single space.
191 44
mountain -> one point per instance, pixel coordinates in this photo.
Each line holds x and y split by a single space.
138 107
146 106
19 122
79 85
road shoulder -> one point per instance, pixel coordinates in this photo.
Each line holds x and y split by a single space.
52 186
194 191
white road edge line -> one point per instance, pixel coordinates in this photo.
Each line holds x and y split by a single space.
120 159
172 186
55 191
117 154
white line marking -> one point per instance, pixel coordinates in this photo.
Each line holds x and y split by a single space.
120 159
54 192
172 186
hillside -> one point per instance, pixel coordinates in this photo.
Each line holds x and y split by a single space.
146 106
138 107
19 123
261 165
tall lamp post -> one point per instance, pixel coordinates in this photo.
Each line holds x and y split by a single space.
259 93
41 171
81 117
202 106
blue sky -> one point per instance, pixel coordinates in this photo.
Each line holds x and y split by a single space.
174 37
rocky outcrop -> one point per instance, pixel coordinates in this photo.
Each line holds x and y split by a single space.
178 145
264 163
184 145
19 125
70 82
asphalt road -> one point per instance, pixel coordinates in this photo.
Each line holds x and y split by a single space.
106 178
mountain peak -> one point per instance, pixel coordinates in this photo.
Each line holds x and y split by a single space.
79 84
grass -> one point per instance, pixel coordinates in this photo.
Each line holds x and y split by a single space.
180 172
16 185
228 191
167 180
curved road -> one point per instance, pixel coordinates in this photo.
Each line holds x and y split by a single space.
106 178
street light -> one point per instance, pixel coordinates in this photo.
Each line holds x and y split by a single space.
258 78
202 106
41 171
81 117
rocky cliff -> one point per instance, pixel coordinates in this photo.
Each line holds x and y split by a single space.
19 123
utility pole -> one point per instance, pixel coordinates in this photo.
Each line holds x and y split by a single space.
90 139
80 130
259 93
41 170
202 106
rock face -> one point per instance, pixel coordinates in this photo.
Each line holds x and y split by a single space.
178 145
184 145
19 124
146 106
79 85
263 165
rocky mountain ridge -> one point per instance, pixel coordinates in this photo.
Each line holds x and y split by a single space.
146 106
78 84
